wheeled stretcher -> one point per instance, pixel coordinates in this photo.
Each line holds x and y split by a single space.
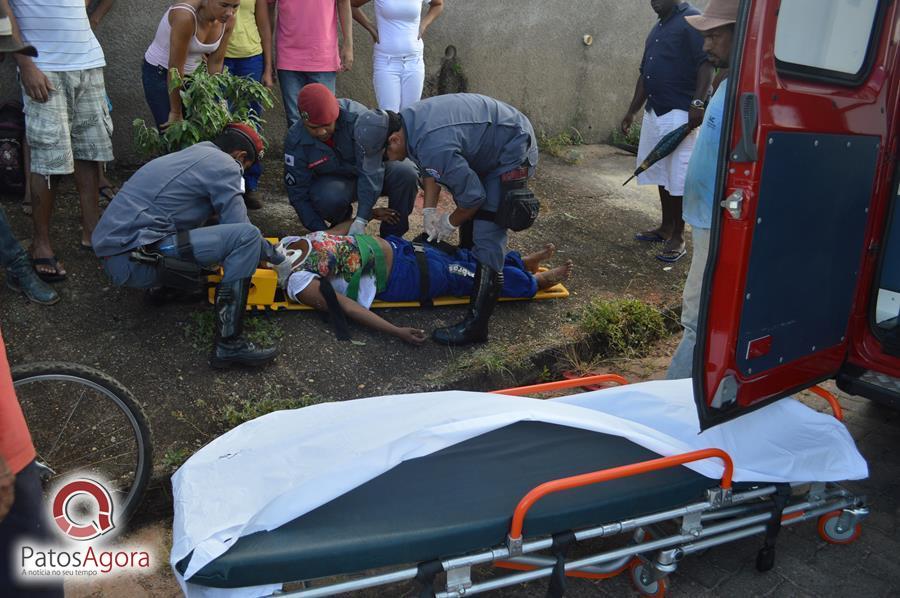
519 496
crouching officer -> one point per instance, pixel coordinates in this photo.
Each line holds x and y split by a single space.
484 152
321 170
151 234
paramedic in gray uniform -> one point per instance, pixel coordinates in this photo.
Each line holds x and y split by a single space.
484 152
151 235
321 170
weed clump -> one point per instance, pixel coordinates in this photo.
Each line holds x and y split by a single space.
626 327
200 330
560 145
246 410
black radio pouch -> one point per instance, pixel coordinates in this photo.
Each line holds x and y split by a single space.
518 209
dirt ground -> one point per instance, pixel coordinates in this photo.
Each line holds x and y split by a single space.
160 355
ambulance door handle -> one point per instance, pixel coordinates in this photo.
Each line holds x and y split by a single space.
746 148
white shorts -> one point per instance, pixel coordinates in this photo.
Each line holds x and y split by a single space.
669 172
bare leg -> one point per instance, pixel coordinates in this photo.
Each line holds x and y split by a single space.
87 183
533 260
554 276
43 194
664 230
675 224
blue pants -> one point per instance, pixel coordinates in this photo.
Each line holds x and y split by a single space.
10 249
237 247
449 275
156 91
251 66
331 195
292 82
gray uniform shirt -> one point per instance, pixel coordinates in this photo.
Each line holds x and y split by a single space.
172 193
461 139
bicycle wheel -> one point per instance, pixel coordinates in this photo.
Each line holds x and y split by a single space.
82 420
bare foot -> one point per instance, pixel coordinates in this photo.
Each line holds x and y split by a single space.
554 276
533 261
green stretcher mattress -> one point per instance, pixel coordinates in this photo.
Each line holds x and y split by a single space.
454 501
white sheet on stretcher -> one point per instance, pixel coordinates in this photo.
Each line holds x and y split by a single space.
278 467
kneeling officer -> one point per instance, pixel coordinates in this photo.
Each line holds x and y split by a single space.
151 234
321 168
484 152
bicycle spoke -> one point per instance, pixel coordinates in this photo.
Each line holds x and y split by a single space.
98 451
110 433
66 423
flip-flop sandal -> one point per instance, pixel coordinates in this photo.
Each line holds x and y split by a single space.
107 192
48 276
671 256
650 236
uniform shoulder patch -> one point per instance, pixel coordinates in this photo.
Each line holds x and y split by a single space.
289 159
289 179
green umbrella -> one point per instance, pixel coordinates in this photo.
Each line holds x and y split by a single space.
666 146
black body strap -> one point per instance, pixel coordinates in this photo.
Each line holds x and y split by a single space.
765 559
335 313
560 548
425 575
424 278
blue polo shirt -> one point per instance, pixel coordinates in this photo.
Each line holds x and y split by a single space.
700 181
672 54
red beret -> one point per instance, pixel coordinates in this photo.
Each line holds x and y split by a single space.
251 134
317 104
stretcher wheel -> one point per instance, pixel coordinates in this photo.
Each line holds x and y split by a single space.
828 531
640 575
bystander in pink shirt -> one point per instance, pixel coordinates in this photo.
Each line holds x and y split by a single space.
306 38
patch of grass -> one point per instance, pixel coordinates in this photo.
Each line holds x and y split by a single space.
633 137
246 410
175 457
200 330
560 145
623 326
492 360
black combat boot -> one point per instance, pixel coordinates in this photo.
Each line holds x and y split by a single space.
21 277
230 347
474 328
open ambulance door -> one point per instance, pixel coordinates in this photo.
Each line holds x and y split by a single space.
808 180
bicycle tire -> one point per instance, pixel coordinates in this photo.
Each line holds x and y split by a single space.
121 401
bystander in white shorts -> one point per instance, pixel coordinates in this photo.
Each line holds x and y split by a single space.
669 172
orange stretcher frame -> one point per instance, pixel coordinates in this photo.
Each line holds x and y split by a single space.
265 295
604 475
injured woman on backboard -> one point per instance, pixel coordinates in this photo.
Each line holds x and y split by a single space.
343 275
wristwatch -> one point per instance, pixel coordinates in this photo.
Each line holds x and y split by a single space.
700 104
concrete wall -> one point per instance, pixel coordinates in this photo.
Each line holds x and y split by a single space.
529 53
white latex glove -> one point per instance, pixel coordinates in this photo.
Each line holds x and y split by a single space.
358 227
443 229
285 268
430 216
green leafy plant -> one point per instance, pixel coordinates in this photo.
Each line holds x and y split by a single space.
560 145
624 326
632 139
209 102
